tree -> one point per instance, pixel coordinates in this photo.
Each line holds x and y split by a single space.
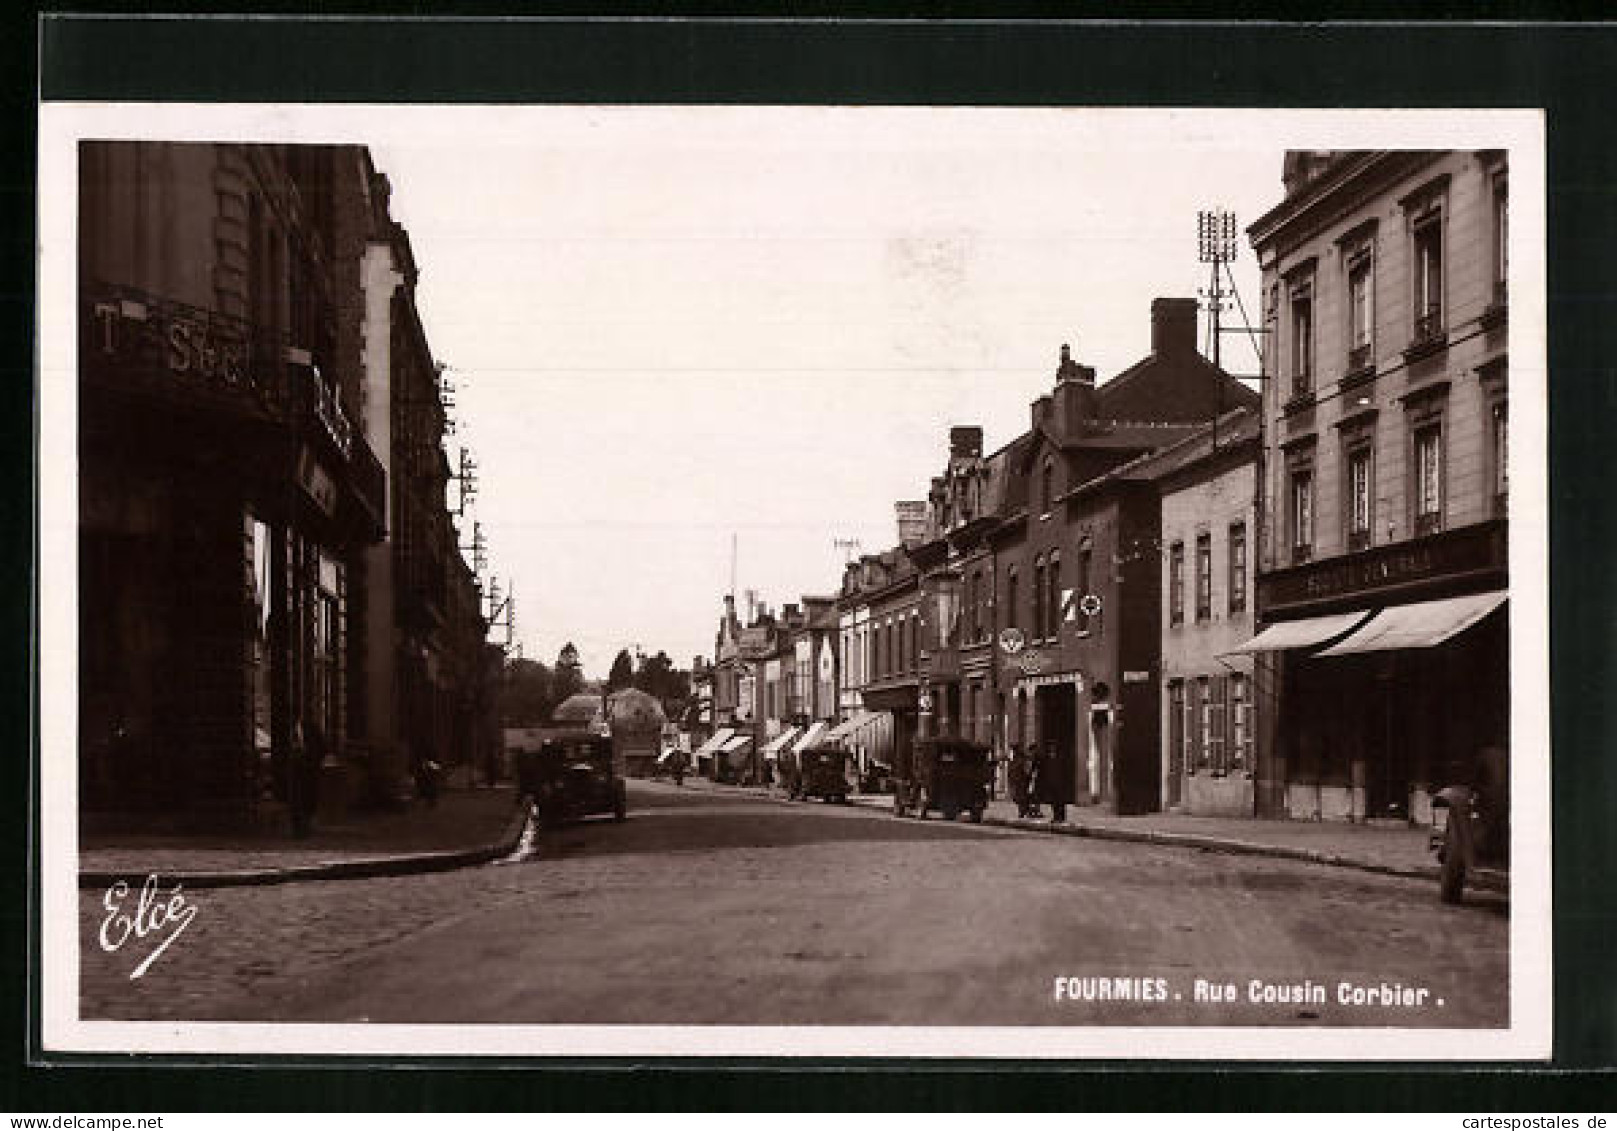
622 673
569 675
527 694
659 678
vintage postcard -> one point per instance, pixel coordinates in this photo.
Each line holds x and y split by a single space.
774 581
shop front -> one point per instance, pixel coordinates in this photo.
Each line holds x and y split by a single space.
224 498
1382 677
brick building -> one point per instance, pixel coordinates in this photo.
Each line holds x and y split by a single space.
1383 663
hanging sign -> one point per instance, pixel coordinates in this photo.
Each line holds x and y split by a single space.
316 481
1012 641
1089 605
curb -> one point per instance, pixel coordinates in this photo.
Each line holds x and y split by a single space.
1202 842
363 868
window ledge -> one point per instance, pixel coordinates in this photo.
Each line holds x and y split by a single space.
1431 344
1298 403
1364 375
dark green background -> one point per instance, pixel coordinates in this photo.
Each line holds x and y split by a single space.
1567 69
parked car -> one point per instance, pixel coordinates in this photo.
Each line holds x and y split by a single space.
950 775
569 778
823 772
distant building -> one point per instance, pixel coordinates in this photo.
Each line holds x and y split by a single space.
1383 660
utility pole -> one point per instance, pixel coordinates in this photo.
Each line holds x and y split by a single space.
1215 243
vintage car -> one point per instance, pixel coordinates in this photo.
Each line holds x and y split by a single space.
823 773
947 774
572 777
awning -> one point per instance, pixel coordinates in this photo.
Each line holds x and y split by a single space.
1304 633
775 745
737 743
716 743
1423 625
811 738
849 725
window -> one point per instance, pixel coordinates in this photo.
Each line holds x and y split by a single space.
1204 576
977 599
1038 598
1302 514
1358 497
1047 487
915 642
898 630
1238 568
1500 427
1302 341
1360 313
1176 584
1240 745
1428 276
327 646
1428 479
1081 588
971 607
1010 598
1053 611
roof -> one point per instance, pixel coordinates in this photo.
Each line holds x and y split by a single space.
581 708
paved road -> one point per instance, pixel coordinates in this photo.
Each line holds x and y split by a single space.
709 907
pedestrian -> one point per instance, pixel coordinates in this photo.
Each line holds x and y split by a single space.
1018 775
1055 777
426 778
1035 785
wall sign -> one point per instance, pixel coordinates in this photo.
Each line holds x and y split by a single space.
1011 641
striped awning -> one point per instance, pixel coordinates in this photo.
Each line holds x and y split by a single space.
775 745
812 737
716 743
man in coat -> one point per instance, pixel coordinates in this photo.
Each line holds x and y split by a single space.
1056 780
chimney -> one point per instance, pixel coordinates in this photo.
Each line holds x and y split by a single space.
789 613
1173 326
966 440
1075 403
911 523
729 608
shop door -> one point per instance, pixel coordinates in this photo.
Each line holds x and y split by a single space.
1058 723
1386 751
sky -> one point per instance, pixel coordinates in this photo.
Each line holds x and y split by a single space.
674 331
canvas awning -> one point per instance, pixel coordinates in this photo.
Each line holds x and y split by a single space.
775 745
848 726
811 738
1304 633
716 743
1422 625
736 743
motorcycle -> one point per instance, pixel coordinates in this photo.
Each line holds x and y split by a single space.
1475 838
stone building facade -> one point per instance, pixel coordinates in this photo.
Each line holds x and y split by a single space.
1382 560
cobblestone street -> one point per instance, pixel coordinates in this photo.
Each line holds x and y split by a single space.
716 908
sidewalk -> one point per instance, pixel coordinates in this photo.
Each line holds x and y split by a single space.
1395 851
467 826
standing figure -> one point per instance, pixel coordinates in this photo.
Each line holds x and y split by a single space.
1055 780
308 753
1020 782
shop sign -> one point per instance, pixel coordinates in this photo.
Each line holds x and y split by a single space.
1470 551
316 481
1136 677
189 344
1030 662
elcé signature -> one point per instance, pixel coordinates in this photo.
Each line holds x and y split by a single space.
153 914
